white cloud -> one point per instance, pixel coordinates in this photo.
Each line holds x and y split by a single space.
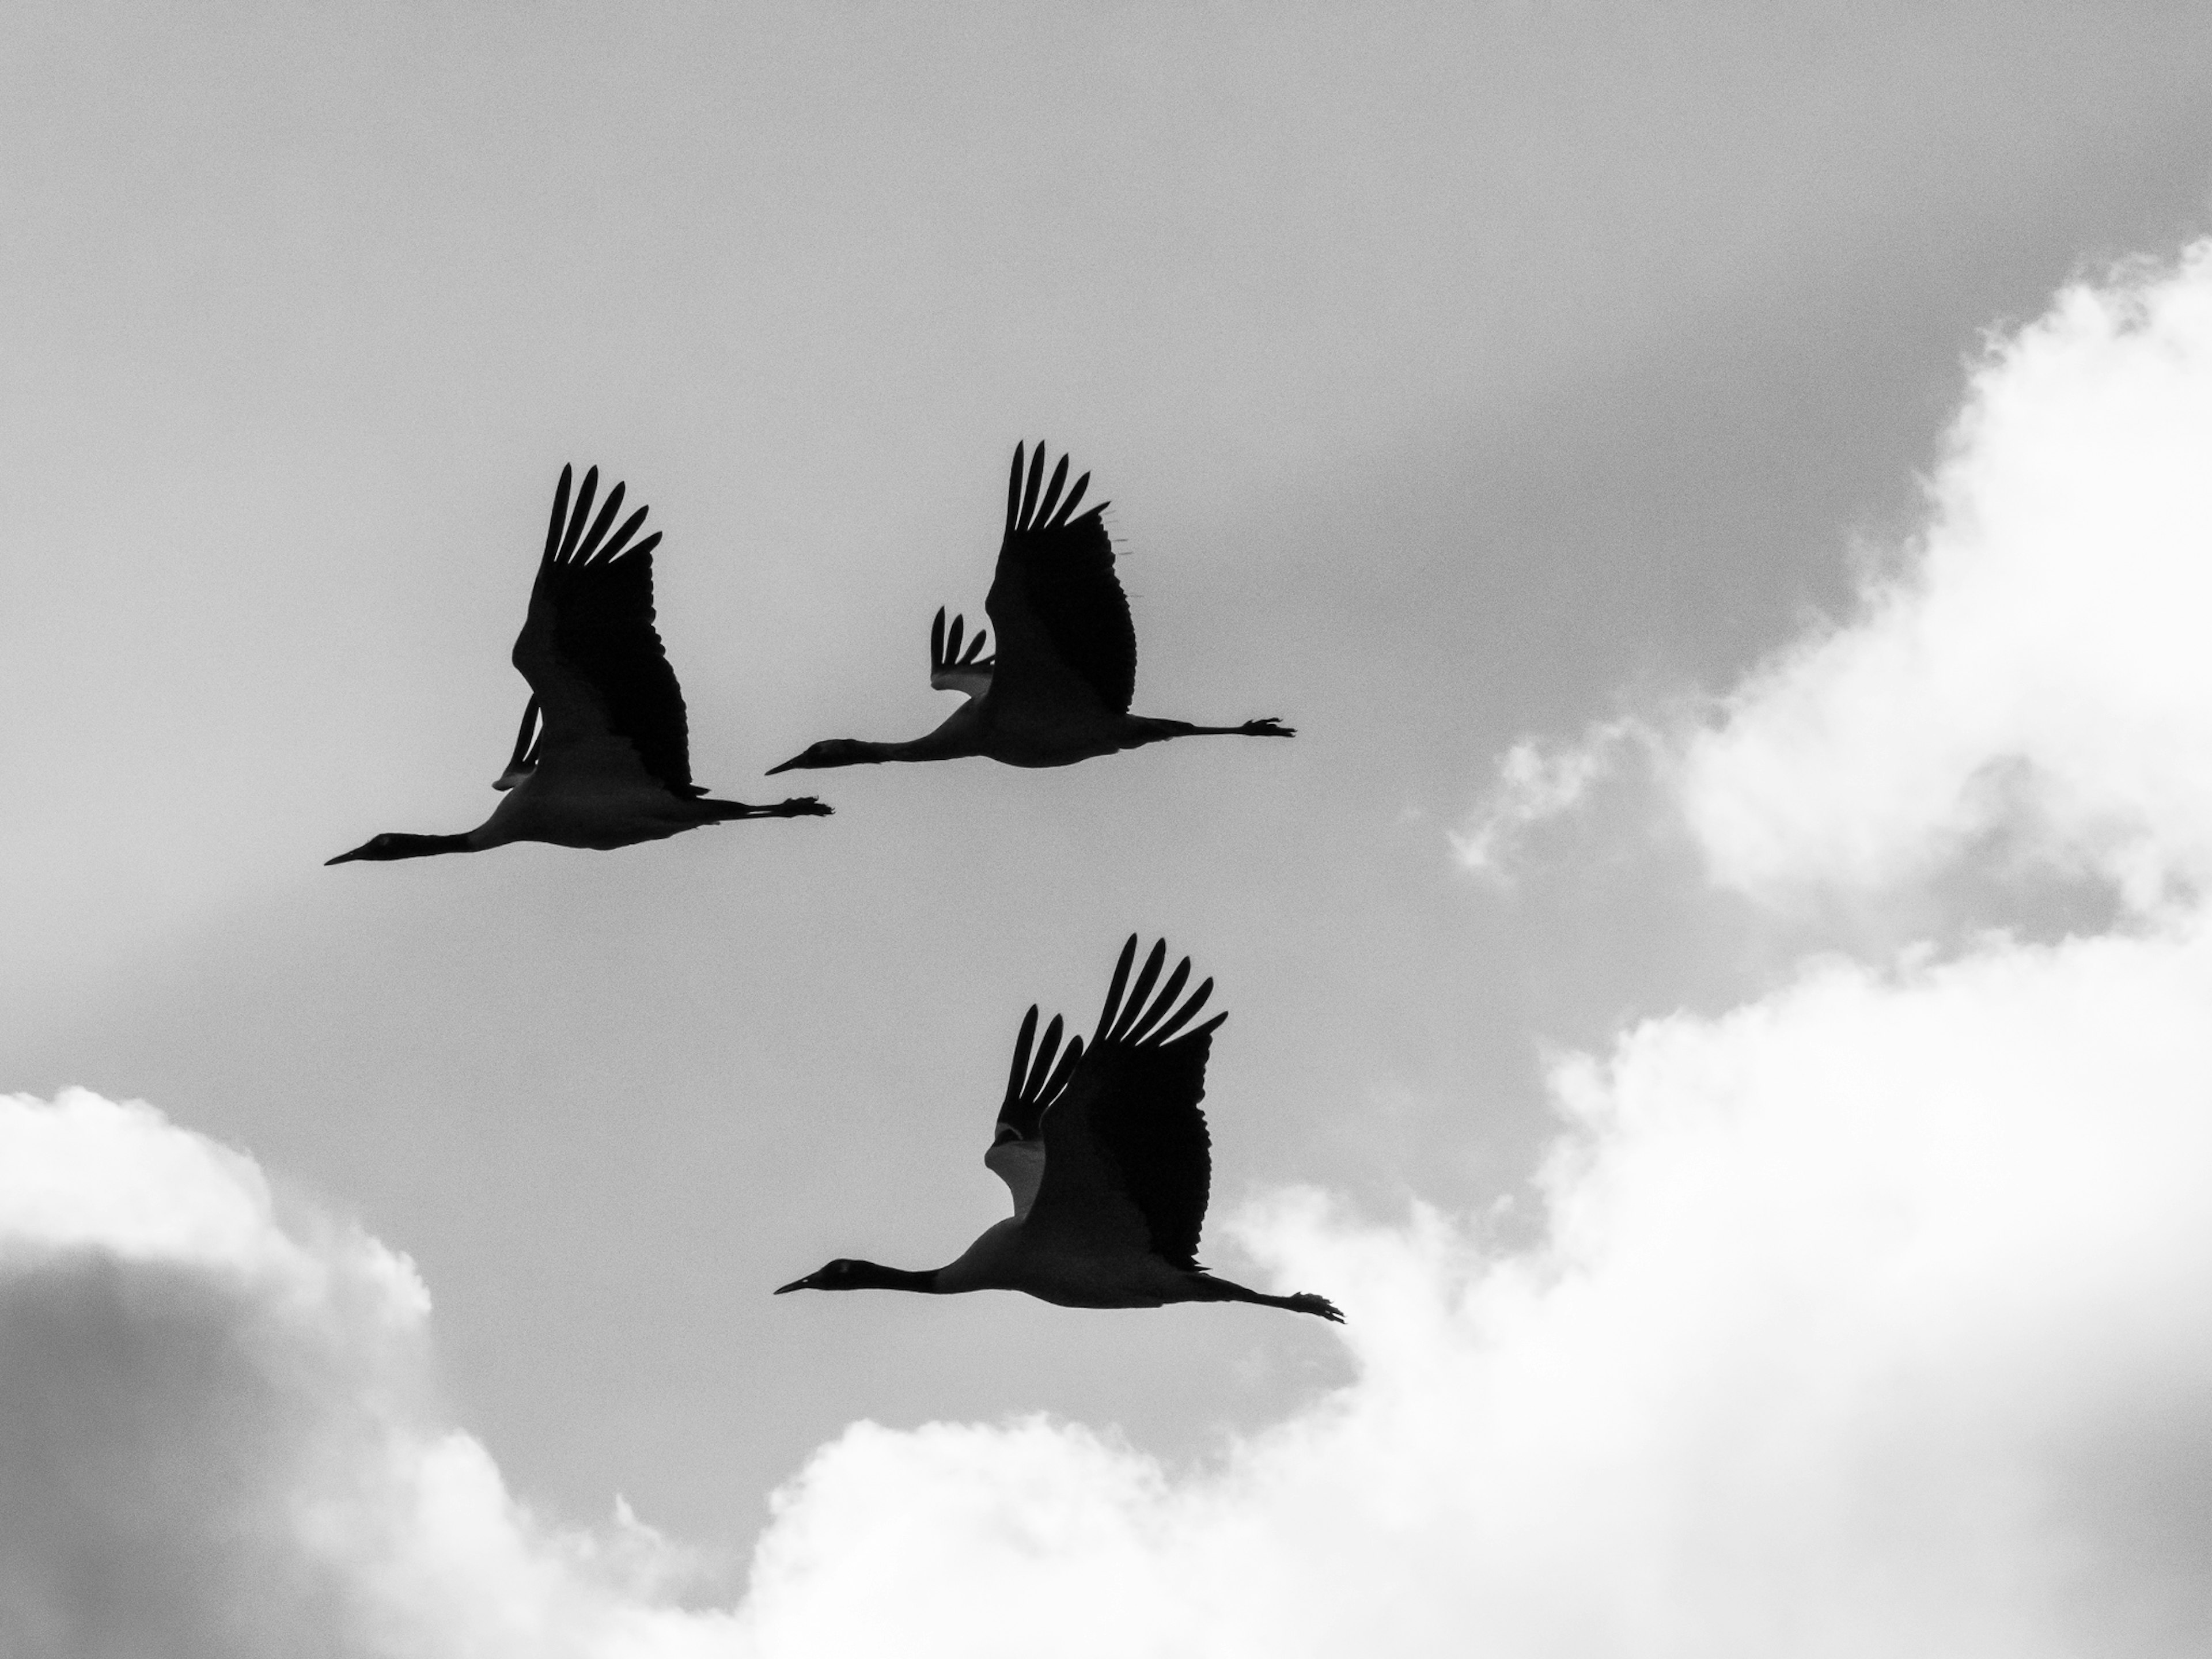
2027 689
1868 1318
1865 1310
216 1437
2041 669
1536 781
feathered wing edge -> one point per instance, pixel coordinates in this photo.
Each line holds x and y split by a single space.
1055 585
1032 1085
591 624
1132 1023
1017 1152
1145 1116
567 546
951 669
1034 1082
564 531
565 540
1025 511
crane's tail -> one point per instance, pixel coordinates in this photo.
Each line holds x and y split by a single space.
798 806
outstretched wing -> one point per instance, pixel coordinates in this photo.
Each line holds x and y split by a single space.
1065 636
589 649
951 669
1127 1160
1016 1154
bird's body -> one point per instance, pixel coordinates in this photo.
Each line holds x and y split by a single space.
1106 1155
1057 690
594 795
1002 1259
603 758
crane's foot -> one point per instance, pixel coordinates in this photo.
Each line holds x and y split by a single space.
801 806
1307 1302
1270 727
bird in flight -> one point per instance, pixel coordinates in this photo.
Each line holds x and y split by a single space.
1057 690
603 759
1105 1152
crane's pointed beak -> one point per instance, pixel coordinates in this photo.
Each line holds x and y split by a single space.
794 761
342 857
805 1284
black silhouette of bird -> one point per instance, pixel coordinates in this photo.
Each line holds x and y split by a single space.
1057 690
603 759
1105 1152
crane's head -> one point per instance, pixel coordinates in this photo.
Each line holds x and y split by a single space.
843 1275
831 751
846 1274
399 845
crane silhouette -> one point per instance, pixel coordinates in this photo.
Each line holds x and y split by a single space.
1106 1153
1058 692
603 758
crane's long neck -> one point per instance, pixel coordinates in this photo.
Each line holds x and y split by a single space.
865 753
943 744
874 1276
958 736
961 733
400 844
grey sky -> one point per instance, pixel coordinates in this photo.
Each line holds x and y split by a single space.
1453 372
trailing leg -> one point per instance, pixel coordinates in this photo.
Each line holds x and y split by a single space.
1145 728
1205 1287
798 806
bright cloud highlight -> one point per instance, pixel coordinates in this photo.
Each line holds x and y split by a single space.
1868 1318
2040 668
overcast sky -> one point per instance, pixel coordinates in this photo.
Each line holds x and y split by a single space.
1743 625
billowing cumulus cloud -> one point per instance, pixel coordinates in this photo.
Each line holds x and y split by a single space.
217 1436
1866 1318
2038 673
2029 686
1868 1323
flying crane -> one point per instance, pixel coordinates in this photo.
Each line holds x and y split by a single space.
603 759
1105 1152
1057 690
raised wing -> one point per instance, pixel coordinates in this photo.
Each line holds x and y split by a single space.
1065 636
1016 1154
589 649
1127 1160
951 669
